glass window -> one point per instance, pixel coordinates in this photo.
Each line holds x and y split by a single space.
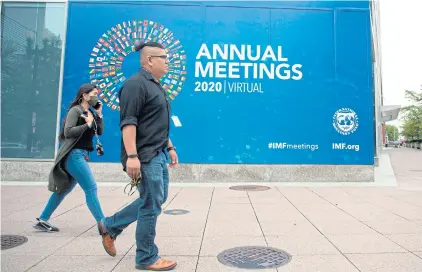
31 46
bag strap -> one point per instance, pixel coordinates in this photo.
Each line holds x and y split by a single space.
96 127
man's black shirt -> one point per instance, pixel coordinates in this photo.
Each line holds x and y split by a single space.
144 103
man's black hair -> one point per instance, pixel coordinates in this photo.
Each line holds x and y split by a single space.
141 45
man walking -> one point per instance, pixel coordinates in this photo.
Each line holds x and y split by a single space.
145 123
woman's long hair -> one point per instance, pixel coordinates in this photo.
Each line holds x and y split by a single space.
84 89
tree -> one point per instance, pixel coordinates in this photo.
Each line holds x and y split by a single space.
412 116
392 132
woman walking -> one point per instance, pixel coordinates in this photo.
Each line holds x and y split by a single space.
71 166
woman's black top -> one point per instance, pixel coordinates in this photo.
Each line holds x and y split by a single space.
85 142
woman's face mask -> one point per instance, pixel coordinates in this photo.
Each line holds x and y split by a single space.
93 100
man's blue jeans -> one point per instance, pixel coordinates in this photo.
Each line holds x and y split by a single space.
153 192
79 169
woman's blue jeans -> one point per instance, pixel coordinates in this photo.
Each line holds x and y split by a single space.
78 168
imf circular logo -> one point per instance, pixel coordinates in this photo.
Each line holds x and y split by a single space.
345 121
112 48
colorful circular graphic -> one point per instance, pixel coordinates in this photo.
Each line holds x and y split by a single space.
108 55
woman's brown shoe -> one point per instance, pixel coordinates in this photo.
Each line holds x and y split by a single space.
160 265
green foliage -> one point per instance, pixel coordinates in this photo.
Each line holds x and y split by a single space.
392 132
412 116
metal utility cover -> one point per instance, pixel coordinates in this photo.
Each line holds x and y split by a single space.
249 188
176 212
254 257
11 241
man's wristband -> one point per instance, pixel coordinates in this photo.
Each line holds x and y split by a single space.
131 156
171 148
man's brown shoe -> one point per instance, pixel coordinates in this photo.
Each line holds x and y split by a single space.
108 242
160 265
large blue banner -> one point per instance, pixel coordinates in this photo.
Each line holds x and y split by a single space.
251 83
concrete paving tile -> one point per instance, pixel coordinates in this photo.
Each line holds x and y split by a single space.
364 243
198 191
386 262
268 197
376 216
112 205
25 215
214 245
277 213
366 192
319 263
413 199
335 195
288 228
419 254
272 192
35 245
329 191
343 227
211 264
195 216
67 228
405 210
413 213
296 192
316 208
14 228
195 193
22 192
368 212
231 200
231 216
236 208
328 215
15 192
180 228
226 192
411 242
129 231
184 263
224 212
301 196
400 226
18 205
195 203
80 215
233 228
76 264
300 203
190 206
18 263
394 205
383 201
303 245
87 246
175 246
192 202
280 200
338 199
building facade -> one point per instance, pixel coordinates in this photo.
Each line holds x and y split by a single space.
295 85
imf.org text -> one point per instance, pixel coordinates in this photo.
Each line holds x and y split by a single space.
344 146
289 146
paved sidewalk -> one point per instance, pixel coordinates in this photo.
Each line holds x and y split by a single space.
324 229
